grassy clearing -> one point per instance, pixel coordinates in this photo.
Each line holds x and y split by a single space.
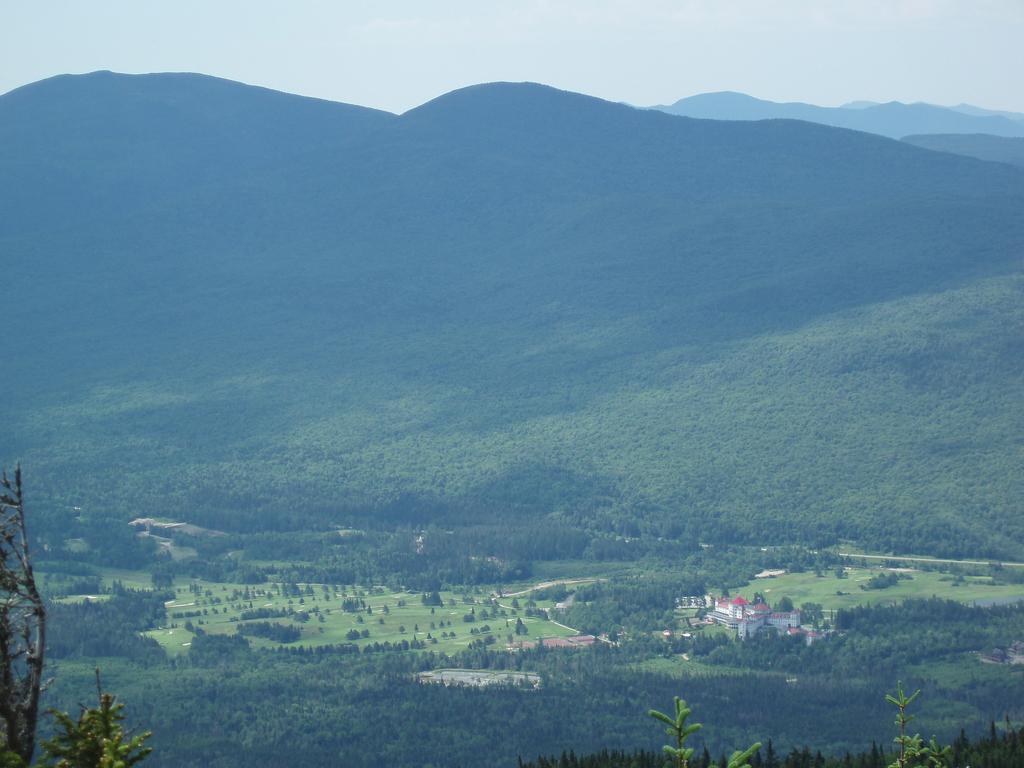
678 666
965 670
165 544
825 590
127 578
175 641
386 616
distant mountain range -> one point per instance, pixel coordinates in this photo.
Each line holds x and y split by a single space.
892 119
967 109
251 310
970 109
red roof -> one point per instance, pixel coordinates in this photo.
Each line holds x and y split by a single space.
739 601
557 642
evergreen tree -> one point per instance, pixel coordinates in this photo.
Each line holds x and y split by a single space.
96 740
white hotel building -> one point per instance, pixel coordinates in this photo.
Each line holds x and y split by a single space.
749 618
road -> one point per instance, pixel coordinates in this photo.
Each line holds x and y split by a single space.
932 560
546 584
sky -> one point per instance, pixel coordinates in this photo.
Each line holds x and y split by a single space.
397 54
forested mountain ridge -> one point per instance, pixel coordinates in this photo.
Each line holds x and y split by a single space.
893 119
276 312
80 147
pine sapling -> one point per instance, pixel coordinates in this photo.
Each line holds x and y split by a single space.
913 751
677 728
742 759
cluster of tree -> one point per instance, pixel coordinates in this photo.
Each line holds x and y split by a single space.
265 613
1001 748
270 630
884 580
639 758
637 604
82 585
108 627
409 558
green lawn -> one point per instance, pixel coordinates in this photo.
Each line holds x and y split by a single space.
392 617
965 670
677 666
808 588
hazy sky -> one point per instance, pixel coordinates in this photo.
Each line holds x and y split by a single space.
395 55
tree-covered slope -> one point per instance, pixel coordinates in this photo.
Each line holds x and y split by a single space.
1000 149
255 310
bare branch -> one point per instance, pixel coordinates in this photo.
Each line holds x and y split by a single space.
22 625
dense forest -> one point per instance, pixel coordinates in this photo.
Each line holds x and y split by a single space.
227 706
278 314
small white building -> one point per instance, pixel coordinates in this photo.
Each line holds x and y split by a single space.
692 601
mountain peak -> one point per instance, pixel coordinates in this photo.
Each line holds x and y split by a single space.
505 97
516 112
104 87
